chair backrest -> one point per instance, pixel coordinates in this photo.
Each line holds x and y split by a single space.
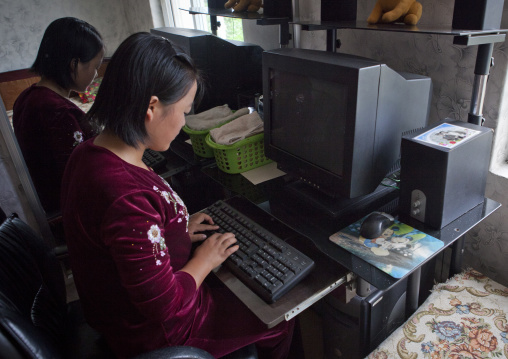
33 309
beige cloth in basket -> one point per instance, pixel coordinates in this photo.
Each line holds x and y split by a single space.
238 129
213 117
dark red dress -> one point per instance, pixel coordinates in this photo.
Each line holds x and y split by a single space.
127 236
48 127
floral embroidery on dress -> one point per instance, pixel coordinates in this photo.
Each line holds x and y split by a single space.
78 138
172 198
158 243
154 233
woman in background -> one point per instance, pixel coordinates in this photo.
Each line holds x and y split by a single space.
129 234
47 125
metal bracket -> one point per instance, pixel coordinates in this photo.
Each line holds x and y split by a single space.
306 304
350 286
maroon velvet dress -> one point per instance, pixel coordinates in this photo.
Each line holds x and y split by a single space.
48 127
127 236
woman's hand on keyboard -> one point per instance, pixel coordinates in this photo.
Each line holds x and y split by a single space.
209 255
200 222
216 248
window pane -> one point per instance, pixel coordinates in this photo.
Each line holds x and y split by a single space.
184 19
229 28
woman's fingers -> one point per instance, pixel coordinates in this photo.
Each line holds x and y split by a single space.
206 227
227 241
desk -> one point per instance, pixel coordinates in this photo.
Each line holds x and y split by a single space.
276 207
313 229
180 157
275 199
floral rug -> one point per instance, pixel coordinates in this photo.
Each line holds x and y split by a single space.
466 317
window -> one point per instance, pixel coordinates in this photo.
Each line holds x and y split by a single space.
229 28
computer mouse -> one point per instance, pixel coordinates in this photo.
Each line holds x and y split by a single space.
375 224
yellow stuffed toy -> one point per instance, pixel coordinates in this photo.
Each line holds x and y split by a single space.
241 5
387 11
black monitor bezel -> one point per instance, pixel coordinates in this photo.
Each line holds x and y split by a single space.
344 70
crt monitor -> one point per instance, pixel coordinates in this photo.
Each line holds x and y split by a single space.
231 69
335 121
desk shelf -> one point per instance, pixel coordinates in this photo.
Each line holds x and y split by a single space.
244 15
363 25
461 37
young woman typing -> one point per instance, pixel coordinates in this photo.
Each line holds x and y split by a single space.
130 235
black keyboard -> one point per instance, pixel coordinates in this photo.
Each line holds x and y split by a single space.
153 159
265 263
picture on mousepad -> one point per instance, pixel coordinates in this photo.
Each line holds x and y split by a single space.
398 250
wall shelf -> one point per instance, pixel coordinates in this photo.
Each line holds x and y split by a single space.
363 25
275 12
461 37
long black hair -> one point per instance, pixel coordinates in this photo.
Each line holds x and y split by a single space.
144 65
65 40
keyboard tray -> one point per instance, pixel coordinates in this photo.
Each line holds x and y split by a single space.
326 276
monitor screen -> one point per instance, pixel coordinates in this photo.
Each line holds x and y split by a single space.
305 110
335 121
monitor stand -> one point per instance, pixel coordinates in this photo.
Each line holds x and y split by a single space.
339 207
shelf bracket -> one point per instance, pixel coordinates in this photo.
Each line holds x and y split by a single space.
331 40
484 61
284 34
214 24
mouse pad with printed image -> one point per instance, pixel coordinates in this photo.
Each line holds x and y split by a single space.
400 248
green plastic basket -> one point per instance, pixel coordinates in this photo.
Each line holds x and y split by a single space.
199 145
241 156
